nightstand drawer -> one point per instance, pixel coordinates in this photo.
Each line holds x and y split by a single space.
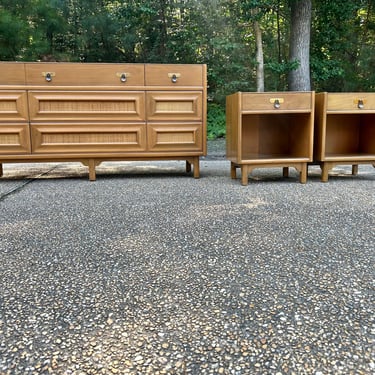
277 101
350 101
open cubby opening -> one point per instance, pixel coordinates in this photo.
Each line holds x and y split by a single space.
350 134
276 135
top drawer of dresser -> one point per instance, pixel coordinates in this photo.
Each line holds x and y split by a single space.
90 74
277 101
12 73
174 75
351 101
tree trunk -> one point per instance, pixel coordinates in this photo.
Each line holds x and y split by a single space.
299 78
259 56
259 50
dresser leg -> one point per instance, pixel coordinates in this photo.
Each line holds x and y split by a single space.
196 167
188 166
1 169
354 169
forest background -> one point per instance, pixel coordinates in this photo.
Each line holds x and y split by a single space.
224 34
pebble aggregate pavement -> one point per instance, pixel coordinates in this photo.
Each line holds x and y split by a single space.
150 271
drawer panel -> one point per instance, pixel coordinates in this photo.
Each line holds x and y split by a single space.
267 101
86 105
105 137
14 139
13 105
174 105
88 74
176 137
12 73
350 101
174 75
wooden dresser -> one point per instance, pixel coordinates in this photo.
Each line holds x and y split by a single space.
102 112
344 130
270 129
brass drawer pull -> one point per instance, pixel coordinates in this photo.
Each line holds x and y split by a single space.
360 103
48 76
276 102
123 76
174 77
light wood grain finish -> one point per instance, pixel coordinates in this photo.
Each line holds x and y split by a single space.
86 105
260 135
186 75
97 112
88 74
344 131
14 139
174 106
59 138
13 105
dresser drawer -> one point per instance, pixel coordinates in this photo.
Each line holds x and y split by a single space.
277 101
350 101
86 105
76 74
14 139
174 105
176 137
78 137
13 105
12 73
174 75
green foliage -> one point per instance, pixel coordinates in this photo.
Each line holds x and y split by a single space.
216 121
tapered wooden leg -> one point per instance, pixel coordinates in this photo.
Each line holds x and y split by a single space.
1 170
233 170
303 173
244 175
91 163
196 171
285 171
188 166
325 169
354 169
92 172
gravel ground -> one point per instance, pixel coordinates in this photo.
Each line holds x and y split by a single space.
149 271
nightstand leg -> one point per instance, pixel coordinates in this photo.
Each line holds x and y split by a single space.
354 169
244 175
285 171
233 170
325 169
1 169
188 166
303 174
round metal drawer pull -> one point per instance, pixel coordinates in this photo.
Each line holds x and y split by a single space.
174 77
123 77
276 104
48 76
361 104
